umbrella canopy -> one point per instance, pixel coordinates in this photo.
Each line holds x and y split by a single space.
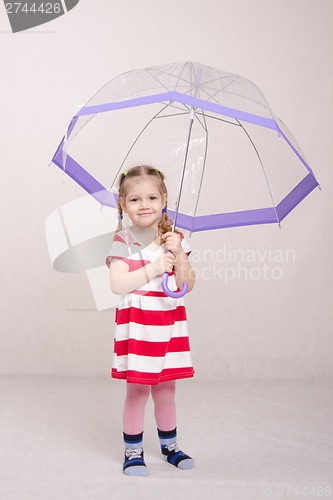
228 159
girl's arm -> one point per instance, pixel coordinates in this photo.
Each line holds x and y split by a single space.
182 266
123 281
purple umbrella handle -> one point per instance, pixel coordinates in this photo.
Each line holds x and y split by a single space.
166 289
174 295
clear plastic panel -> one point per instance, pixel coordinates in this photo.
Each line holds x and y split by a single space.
231 166
196 80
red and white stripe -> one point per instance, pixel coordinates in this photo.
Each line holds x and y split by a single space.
151 340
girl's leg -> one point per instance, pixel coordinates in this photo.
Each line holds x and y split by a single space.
133 420
163 395
134 408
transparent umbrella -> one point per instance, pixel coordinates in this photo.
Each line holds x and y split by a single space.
228 159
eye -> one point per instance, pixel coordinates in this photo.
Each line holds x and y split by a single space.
134 200
153 197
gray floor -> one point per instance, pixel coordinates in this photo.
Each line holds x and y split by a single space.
61 439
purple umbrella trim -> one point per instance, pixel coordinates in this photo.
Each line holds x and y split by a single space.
184 99
198 223
201 222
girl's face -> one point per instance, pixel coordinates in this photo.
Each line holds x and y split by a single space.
143 202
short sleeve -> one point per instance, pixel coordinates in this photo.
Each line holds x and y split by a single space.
119 249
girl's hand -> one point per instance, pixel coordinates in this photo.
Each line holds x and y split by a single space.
172 242
164 263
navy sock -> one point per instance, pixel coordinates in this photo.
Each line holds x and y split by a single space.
171 452
134 464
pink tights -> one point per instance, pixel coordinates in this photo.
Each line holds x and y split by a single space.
137 395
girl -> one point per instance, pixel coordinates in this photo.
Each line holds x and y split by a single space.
151 348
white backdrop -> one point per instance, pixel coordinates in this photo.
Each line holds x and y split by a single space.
253 325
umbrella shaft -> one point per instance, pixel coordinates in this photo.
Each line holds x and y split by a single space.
184 168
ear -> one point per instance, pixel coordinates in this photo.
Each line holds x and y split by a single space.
164 199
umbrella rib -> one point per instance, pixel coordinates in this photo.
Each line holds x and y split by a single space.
171 104
217 91
204 126
135 141
170 74
185 107
263 169
253 100
219 119
183 170
212 97
182 78
223 89
157 80
186 81
179 78
173 114
205 87
203 167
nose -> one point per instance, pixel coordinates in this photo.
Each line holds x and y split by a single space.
144 204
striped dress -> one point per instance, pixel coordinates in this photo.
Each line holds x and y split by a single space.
151 342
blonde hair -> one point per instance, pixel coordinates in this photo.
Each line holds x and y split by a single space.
165 224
